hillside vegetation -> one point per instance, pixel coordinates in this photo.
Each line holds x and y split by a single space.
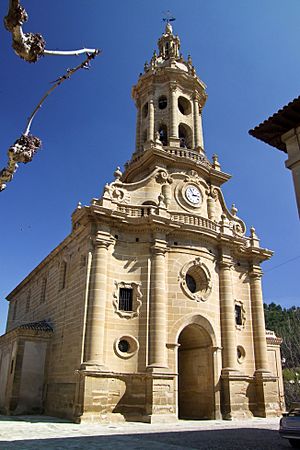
286 324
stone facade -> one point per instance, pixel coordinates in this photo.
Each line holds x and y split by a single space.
151 309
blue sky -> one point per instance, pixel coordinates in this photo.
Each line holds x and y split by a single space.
246 53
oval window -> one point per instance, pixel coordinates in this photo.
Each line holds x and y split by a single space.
162 102
184 105
191 283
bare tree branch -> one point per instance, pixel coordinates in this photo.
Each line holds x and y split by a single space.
30 46
58 82
69 52
23 150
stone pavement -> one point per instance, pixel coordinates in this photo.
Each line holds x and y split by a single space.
42 432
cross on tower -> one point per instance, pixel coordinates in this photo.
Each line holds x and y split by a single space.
168 16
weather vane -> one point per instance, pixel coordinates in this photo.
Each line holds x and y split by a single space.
168 16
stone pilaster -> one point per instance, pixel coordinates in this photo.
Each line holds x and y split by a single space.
158 308
229 354
151 119
95 322
258 321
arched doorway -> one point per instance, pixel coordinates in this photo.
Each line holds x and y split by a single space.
195 374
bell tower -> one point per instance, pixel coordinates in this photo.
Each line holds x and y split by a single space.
164 306
169 98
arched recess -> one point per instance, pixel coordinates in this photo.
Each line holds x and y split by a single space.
185 135
202 321
196 368
163 134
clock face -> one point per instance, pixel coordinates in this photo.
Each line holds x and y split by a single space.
193 195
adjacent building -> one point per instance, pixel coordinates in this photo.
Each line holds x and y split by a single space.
151 309
282 131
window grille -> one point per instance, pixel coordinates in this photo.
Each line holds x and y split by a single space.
125 299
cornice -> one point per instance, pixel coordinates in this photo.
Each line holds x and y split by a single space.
176 157
169 74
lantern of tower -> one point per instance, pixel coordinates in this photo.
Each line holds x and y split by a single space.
169 98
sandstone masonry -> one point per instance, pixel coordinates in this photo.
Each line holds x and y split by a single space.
151 309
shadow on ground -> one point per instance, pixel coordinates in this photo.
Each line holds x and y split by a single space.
233 439
33 419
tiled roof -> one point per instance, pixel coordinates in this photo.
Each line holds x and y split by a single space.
271 130
272 338
39 326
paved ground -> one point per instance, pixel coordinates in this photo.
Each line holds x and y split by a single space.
40 432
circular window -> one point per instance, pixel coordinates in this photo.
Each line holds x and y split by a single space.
123 346
145 110
191 283
162 102
240 352
184 106
126 346
195 280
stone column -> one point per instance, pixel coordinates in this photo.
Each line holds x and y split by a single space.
138 130
173 112
158 308
151 119
174 140
229 354
196 121
201 142
258 322
95 324
292 142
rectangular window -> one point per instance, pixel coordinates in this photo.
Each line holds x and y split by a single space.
238 315
64 275
43 290
125 299
15 306
27 307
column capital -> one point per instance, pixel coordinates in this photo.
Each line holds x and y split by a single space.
196 97
255 273
173 86
159 248
225 264
100 242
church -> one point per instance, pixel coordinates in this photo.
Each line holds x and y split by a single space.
151 309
